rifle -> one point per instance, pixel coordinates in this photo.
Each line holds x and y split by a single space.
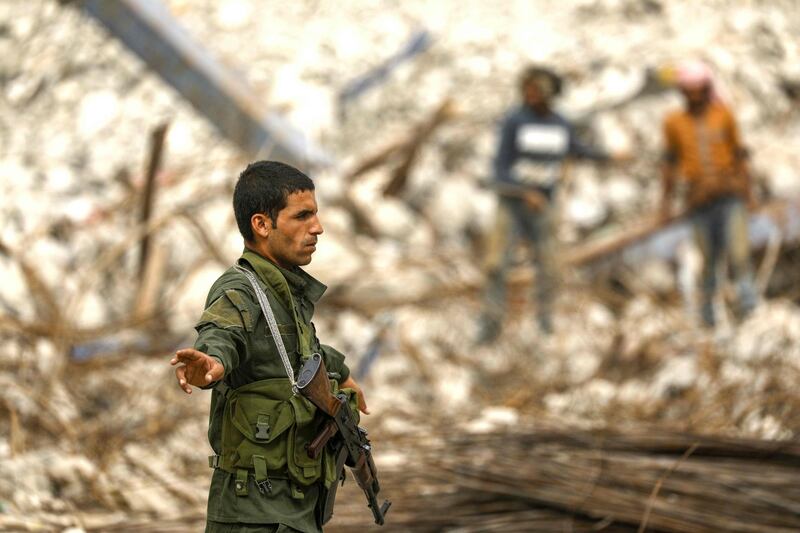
313 383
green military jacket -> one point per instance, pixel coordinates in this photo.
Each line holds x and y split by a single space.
233 329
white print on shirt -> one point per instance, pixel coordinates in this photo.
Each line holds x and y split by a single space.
545 139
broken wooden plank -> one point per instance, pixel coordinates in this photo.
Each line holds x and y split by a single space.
410 150
157 138
650 239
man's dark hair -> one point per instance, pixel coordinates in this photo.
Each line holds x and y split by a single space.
542 76
263 187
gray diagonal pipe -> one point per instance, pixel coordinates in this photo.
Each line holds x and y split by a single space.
148 29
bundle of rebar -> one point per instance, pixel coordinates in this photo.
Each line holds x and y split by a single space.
560 480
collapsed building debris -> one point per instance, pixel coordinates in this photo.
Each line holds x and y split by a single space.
85 389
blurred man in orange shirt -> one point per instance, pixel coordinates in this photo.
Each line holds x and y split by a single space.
703 149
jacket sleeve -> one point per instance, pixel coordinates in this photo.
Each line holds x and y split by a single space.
580 150
334 361
221 331
506 151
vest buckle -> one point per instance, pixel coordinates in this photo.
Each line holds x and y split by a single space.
264 486
262 480
262 427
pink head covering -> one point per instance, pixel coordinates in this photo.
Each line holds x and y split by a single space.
694 74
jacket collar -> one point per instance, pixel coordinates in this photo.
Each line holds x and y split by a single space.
284 280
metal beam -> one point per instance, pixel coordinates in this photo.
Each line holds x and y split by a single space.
148 29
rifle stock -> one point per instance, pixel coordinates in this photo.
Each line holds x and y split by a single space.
313 384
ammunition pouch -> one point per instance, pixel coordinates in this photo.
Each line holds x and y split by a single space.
327 498
265 433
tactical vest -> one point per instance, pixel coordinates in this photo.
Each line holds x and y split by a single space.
266 427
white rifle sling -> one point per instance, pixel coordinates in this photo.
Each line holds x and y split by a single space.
273 325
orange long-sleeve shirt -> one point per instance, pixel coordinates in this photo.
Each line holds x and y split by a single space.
706 150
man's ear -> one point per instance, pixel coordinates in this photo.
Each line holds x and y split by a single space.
261 224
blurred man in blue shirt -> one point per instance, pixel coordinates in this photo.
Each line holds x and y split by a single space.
535 142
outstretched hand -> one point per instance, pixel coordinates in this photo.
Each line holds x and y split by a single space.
197 369
350 383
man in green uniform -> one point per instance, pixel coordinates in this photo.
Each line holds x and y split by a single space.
259 426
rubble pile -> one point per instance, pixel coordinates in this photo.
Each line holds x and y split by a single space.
86 324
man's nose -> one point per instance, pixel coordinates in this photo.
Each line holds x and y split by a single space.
316 227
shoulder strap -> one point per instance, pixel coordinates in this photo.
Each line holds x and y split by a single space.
273 325
304 341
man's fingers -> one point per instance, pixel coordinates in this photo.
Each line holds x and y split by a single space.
216 373
188 354
362 403
196 361
350 383
180 373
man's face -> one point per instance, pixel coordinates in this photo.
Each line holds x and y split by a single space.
293 239
533 95
696 96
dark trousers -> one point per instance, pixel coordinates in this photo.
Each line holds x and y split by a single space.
517 223
720 231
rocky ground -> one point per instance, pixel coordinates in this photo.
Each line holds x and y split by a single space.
94 434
